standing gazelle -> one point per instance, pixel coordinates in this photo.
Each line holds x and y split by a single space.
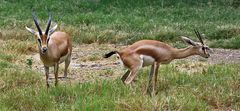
54 48
152 52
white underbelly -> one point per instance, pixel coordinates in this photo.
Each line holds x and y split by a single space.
147 60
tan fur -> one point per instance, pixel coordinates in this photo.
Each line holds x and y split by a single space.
143 52
59 49
59 45
54 48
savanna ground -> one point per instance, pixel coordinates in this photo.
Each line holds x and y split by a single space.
98 26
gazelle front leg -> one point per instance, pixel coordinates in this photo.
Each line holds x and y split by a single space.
56 73
149 86
47 75
155 76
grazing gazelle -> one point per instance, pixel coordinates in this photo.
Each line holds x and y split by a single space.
152 52
54 48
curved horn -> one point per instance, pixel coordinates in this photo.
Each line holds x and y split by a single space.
199 36
48 25
36 23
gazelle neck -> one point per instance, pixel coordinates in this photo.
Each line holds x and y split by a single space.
184 52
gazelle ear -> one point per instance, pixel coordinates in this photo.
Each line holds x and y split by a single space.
31 30
53 29
188 41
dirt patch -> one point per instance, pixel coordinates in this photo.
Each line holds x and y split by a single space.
89 65
225 56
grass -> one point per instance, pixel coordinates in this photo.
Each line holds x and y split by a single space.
124 22
215 87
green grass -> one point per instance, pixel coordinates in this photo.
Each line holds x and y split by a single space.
124 22
215 88
120 22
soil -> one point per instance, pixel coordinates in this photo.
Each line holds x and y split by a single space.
88 63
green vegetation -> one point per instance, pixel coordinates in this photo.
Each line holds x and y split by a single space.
120 22
215 88
123 21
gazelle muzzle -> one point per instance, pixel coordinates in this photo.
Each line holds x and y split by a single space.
44 49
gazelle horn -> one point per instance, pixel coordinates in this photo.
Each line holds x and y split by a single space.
36 23
199 36
48 24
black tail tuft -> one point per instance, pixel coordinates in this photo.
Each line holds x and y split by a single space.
109 54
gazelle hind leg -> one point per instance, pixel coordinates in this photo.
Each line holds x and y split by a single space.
125 76
67 62
132 74
133 63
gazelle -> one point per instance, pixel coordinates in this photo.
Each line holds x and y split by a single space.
54 48
152 52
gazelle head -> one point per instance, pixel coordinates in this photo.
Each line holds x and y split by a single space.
42 37
199 47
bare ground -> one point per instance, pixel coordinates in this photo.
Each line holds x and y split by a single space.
89 65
